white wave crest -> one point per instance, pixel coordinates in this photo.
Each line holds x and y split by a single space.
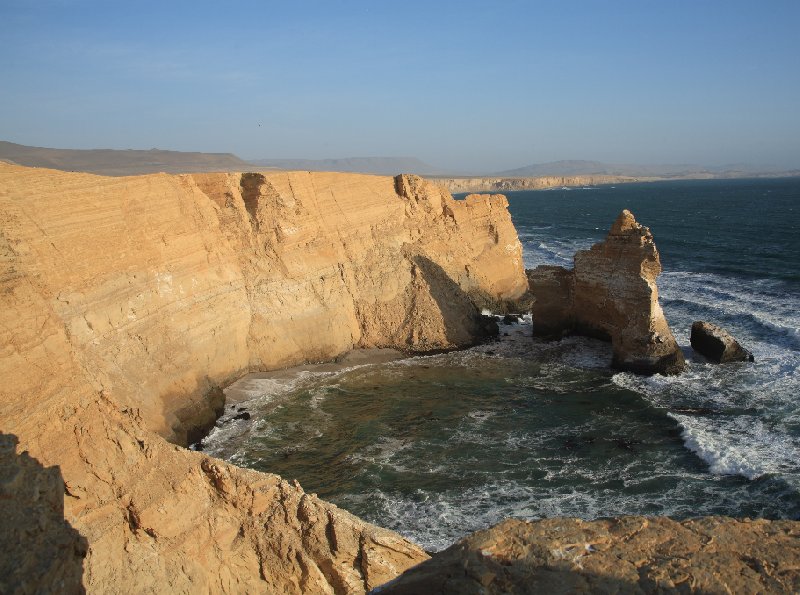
738 446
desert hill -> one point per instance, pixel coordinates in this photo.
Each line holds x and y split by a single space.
114 162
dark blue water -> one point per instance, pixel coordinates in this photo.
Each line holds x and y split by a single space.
747 229
438 446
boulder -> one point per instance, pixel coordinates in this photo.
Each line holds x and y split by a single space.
621 555
610 294
717 344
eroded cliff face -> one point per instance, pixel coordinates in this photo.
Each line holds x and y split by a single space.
493 184
611 293
128 302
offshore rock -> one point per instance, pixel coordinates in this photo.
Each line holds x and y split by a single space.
610 294
126 303
717 344
622 555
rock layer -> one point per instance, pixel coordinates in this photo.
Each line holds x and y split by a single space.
611 293
624 555
717 344
506 184
126 304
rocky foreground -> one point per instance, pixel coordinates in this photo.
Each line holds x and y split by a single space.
622 555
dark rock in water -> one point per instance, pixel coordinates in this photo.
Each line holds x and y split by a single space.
489 326
573 442
626 444
242 415
510 319
717 344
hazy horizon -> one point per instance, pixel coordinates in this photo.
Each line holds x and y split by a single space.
460 85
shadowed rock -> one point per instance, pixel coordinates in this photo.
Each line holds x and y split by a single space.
611 294
41 552
717 344
624 555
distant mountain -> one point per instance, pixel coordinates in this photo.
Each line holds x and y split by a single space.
682 170
364 165
574 168
113 162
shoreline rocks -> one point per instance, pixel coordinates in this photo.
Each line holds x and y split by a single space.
717 344
610 294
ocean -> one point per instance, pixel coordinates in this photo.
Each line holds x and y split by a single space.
438 446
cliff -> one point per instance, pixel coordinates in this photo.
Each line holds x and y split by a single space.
622 555
492 184
128 302
611 293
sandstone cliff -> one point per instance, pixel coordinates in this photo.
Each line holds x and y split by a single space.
611 293
493 184
623 555
128 302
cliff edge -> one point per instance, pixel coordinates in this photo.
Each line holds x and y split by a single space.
128 302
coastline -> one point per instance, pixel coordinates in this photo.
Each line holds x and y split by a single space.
458 185
127 299
124 297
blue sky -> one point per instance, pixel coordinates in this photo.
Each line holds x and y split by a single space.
467 85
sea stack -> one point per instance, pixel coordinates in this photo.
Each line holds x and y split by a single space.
610 294
717 344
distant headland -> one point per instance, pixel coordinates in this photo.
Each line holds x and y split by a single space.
539 176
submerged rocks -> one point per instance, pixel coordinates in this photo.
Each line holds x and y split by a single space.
717 344
610 294
622 555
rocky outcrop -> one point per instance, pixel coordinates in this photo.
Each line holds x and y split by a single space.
494 184
624 555
611 294
42 553
127 302
717 344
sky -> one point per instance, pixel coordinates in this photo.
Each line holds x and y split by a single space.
465 85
